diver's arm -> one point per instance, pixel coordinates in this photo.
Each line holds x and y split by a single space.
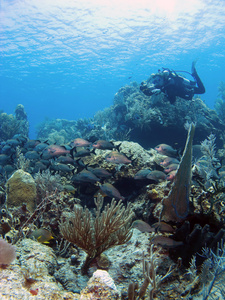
149 90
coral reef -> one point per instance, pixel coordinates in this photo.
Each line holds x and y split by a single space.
21 189
220 102
11 125
66 234
136 117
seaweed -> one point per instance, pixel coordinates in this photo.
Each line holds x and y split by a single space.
212 274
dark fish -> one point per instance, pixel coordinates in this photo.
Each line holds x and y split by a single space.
13 142
4 159
142 226
7 149
65 160
79 142
32 155
156 175
85 176
103 144
163 227
171 167
117 158
166 150
82 153
110 191
21 138
31 144
169 160
101 173
41 146
8 169
142 174
61 167
165 242
39 166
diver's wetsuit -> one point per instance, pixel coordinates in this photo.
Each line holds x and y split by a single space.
175 85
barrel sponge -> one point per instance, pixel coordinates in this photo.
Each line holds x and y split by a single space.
21 189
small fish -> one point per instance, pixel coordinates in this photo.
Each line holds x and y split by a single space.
61 168
4 159
30 144
110 191
156 176
171 175
169 160
82 152
32 155
85 176
117 158
69 188
103 144
165 242
171 167
8 169
101 173
166 150
142 174
13 142
42 235
65 160
142 226
39 166
21 138
41 146
55 151
79 142
163 227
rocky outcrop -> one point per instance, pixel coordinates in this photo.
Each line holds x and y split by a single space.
21 189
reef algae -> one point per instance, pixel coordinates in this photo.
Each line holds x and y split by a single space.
21 189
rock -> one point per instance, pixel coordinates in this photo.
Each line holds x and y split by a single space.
30 275
21 189
100 286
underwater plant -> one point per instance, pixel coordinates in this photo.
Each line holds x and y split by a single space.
47 183
21 162
150 277
96 233
212 276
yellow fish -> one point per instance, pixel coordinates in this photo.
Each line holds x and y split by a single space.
42 235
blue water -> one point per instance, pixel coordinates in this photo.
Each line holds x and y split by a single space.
67 59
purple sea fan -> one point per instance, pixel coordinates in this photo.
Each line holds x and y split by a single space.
7 252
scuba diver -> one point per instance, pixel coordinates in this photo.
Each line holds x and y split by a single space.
173 85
